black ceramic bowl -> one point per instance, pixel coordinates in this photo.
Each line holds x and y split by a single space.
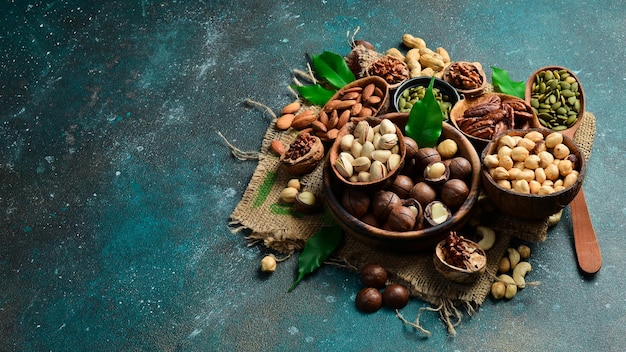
447 91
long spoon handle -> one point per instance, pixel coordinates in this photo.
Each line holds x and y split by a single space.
585 241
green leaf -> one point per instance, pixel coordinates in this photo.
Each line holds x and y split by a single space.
333 68
502 83
316 250
425 119
316 94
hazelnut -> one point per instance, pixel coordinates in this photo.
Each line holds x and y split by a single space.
402 186
560 151
374 275
384 202
454 193
447 148
355 202
369 300
423 193
460 168
553 139
268 264
395 296
288 194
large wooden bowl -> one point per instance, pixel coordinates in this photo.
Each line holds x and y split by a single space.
459 109
409 241
529 87
531 206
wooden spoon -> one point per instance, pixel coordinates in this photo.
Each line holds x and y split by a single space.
585 241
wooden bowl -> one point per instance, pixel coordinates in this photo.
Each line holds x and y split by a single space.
456 274
531 206
400 63
409 241
581 96
335 149
468 93
459 109
377 108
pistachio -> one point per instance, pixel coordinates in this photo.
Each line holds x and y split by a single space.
361 163
378 171
344 166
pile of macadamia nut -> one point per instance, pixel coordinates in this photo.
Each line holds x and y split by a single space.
432 185
532 164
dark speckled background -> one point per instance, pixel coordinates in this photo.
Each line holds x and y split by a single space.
116 190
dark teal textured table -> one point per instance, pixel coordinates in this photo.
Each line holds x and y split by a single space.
116 189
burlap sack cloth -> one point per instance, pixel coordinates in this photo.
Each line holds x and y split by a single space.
268 221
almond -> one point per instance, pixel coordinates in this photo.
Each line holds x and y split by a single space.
284 122
368 91
343 118
277 147
291 108
318 126
303 119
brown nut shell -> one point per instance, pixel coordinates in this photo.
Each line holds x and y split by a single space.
395 296
369 300
303 155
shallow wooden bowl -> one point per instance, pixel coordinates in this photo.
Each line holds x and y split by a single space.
459 109
335 149
531 206
529 86
467 92
456 274
409 241
378 108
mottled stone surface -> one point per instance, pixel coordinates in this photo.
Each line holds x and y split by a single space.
115 188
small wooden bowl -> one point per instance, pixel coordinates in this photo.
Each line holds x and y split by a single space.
335 149
380 107
531 206
459 109
529 91
456 274
401 63
408 241
468 93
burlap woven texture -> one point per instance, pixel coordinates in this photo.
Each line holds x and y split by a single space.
279 228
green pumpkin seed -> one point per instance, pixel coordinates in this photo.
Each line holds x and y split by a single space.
571 120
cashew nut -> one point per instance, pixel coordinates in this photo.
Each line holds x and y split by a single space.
555 218
511 287
514 257
488 237
519 272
